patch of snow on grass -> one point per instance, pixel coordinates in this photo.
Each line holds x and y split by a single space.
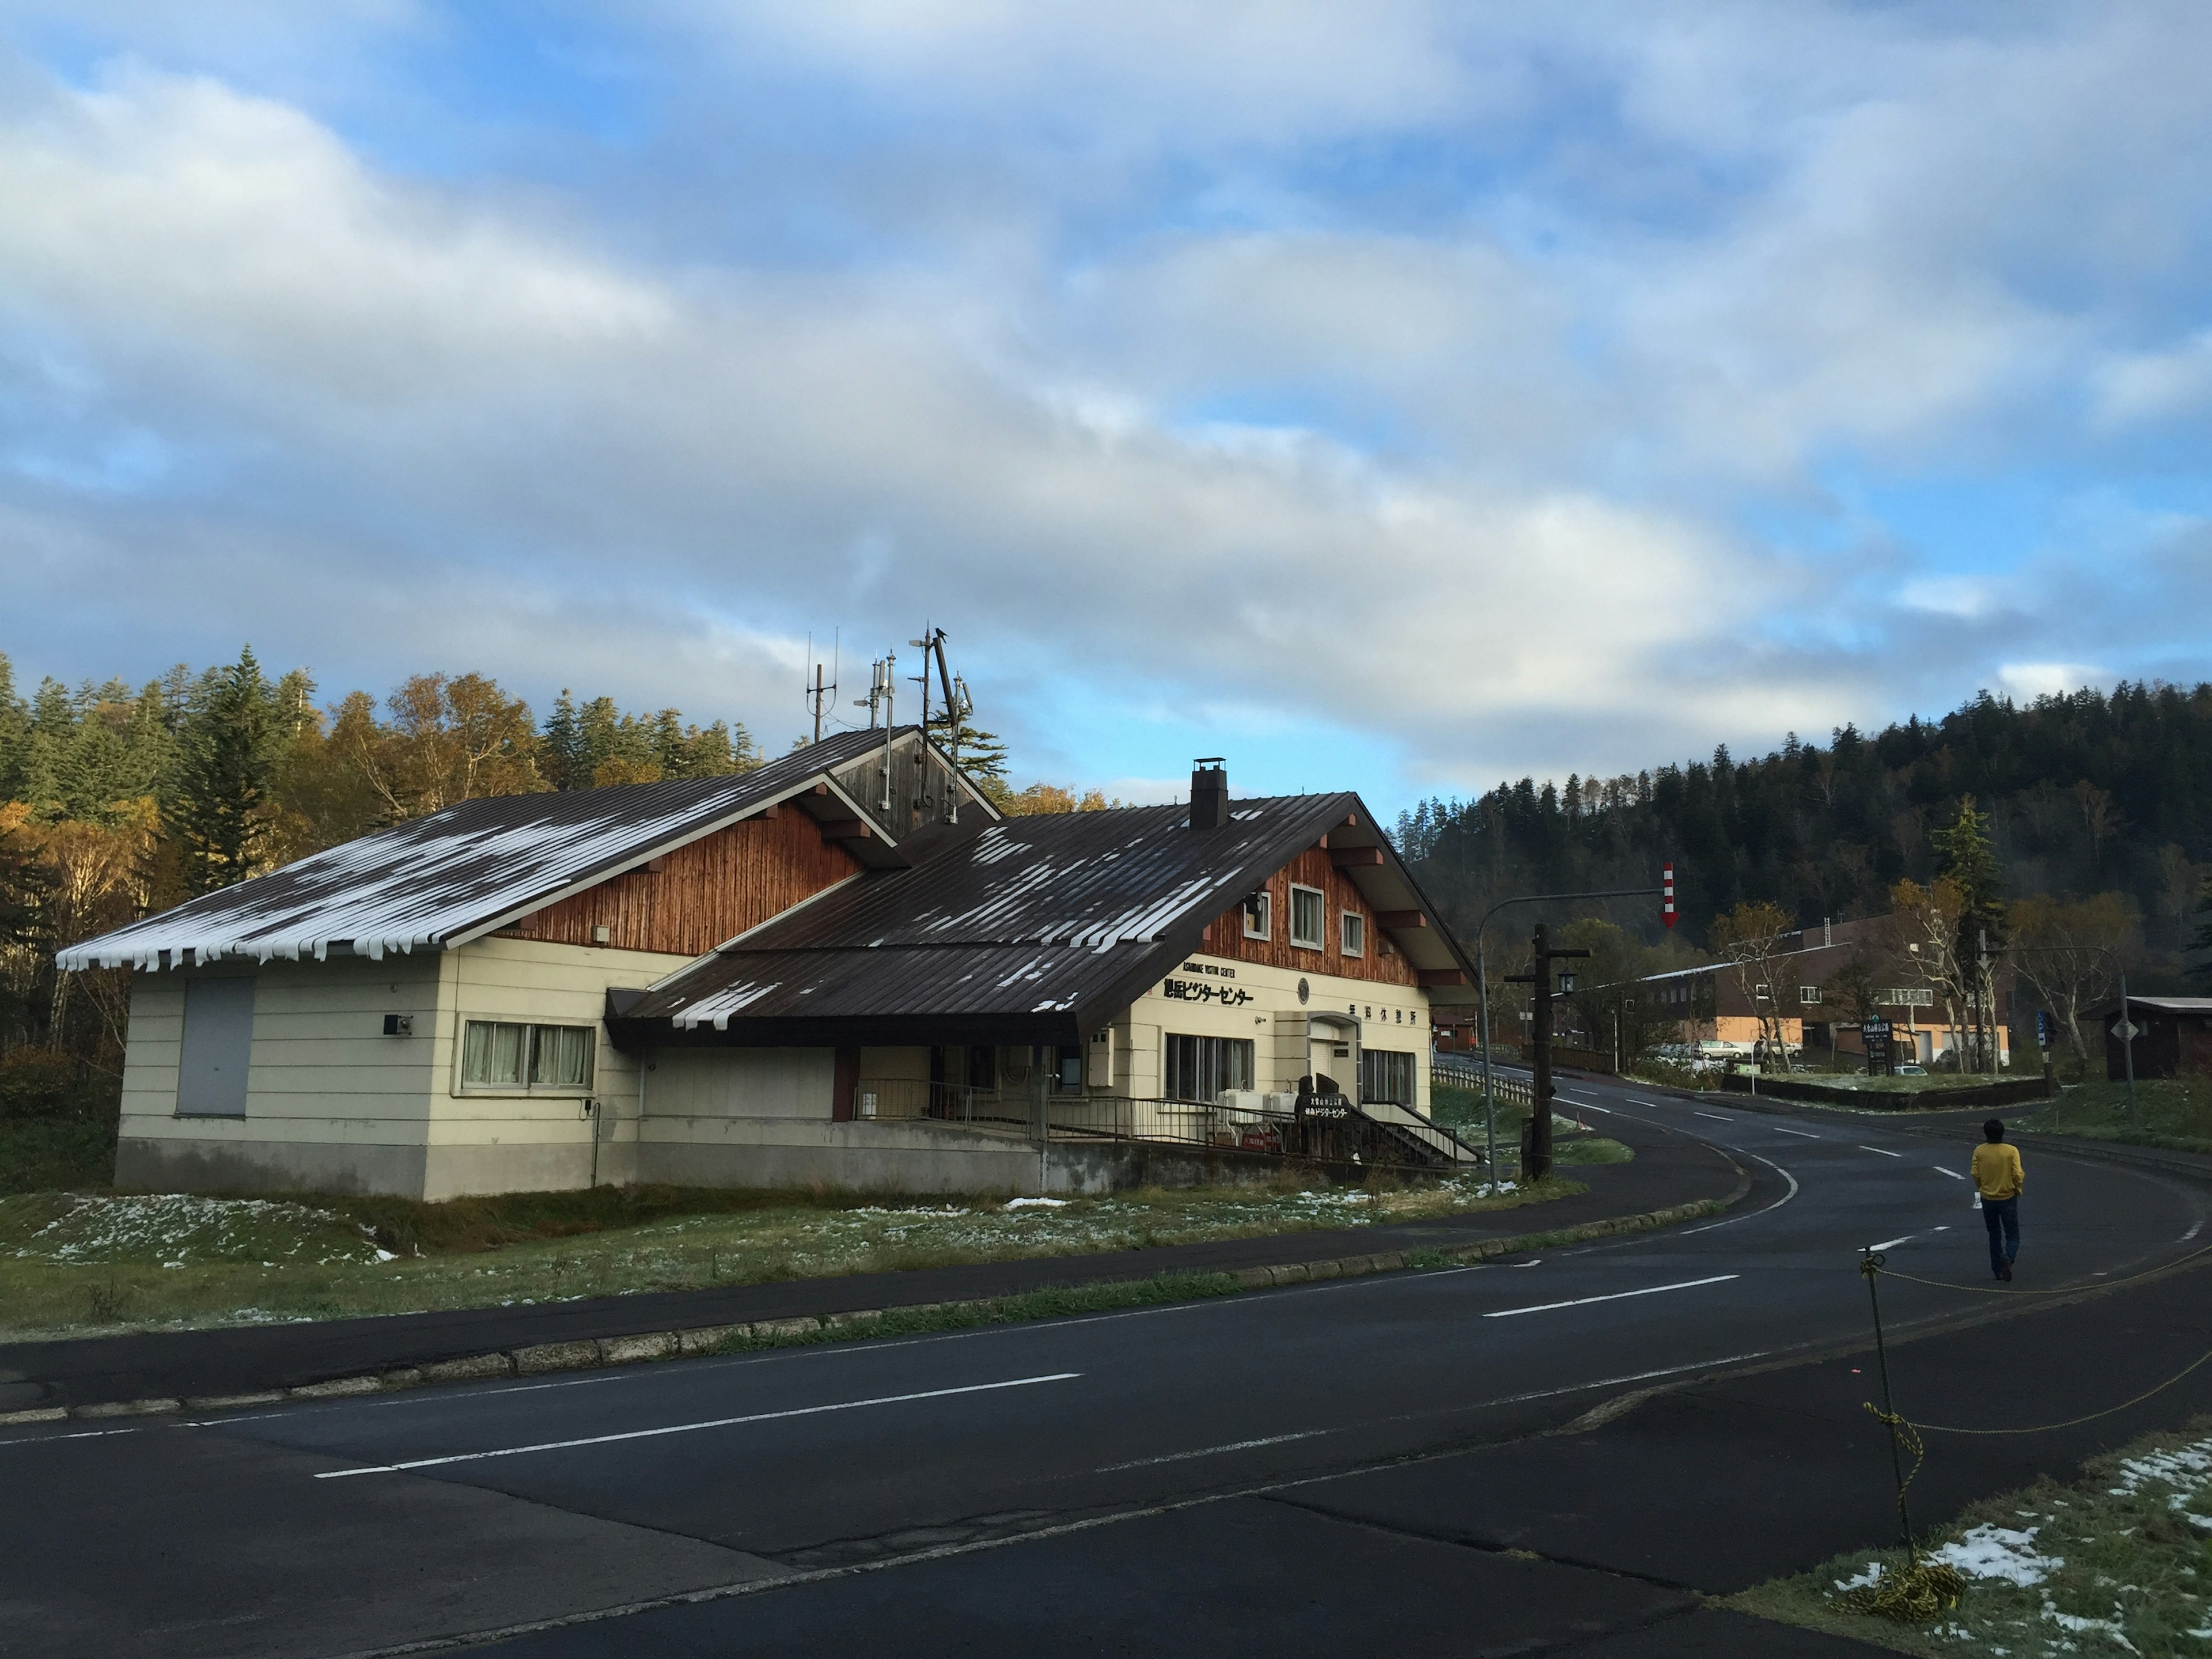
176 1228
1036 1203
1991 1551
1865 1578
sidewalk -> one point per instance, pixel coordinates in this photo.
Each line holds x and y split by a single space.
1668 1169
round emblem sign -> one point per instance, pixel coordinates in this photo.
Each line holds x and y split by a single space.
1305 992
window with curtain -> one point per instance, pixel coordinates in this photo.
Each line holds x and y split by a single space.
517 1058
1201 1067
1307 906
1386 1077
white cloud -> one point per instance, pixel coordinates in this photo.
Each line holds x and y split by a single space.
2149 385
1437 406
2027 681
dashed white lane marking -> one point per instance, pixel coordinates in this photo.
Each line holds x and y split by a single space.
1211 1451
1891 1244
1940 1170
1801 1134
692 1428
1716 1117
1884 1151
1617 1295
1648 1103
2191 1234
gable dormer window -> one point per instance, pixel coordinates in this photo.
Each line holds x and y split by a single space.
1354 934
1308 907
1260 916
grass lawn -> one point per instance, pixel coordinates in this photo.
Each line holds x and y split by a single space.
74 1263
2119 1562
2173 1112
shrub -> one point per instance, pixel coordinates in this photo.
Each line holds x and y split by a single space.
44 1083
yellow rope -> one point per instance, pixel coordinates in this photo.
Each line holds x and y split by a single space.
2063 1289
2072 1422
1924 1590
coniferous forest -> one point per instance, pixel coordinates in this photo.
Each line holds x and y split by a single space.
117 800
2087 793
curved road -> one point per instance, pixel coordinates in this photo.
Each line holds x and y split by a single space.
834 1489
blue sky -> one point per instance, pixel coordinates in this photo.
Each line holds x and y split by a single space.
1403 396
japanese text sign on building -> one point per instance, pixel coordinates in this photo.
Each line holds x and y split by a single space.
1189 990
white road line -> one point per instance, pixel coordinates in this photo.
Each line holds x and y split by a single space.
689 1428
1617 1296
1653 1103
1940 1170
1755 1214
2191 1234
1716 1117
1884 1151
1779 1130
1211 1451
1893 1243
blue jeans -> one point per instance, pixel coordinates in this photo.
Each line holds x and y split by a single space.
2002 1217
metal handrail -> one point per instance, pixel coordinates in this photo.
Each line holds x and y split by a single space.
1069 1116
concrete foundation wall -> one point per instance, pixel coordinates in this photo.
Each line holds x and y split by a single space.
170 1164
856 1157
740 1082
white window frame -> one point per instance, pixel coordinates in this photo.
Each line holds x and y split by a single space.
1319 941
526 1087
1266 927
1352 933
1809 995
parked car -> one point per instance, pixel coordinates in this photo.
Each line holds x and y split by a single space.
1912 1071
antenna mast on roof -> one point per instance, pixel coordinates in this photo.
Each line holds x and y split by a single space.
958 706
883 688
820 697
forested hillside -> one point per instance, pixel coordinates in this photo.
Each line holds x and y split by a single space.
117 800
2086 794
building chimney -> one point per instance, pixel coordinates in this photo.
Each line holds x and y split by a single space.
1209 793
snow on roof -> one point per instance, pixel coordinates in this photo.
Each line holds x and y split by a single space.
419 885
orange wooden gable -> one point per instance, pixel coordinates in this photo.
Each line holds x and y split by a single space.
702 895
1381 962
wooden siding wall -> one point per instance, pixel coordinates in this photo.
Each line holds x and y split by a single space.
1311 868
703 894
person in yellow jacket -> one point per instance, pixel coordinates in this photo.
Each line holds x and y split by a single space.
1998 1178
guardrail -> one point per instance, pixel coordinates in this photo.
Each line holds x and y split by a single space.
1517 1088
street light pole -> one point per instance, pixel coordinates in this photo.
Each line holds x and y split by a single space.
1482 994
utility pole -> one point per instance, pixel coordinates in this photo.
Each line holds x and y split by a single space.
1536 1139
1482 984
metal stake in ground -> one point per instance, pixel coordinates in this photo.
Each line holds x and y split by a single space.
1870 1267
1924 1588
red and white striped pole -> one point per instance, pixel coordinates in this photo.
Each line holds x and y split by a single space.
1667 893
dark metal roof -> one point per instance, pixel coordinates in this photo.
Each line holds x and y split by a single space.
1037 929
420 885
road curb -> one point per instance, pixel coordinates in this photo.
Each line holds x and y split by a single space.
598 1353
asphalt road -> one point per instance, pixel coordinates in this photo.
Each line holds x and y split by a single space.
1271 1473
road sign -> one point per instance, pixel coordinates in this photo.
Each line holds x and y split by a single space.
1875 1034
2042 1028
2126 1032
1667 893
